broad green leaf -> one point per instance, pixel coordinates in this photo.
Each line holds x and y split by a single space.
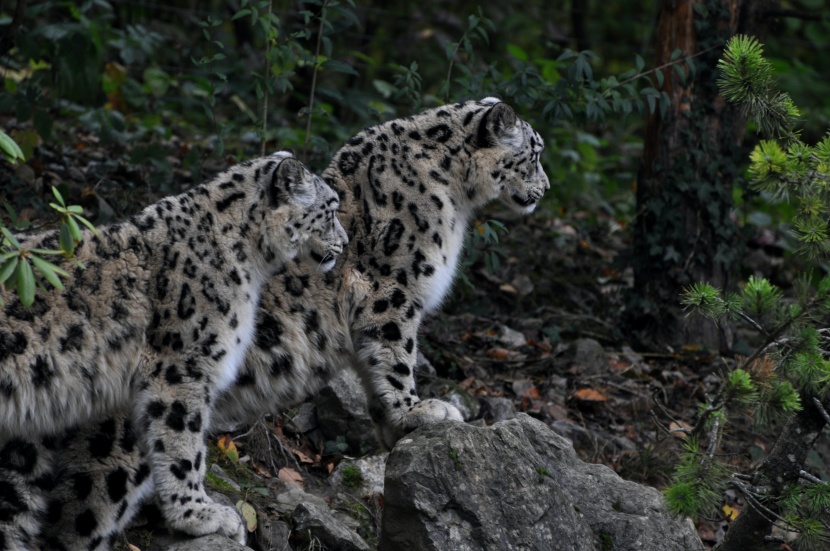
248 513
7 269
11 238
58 196
74 229
88 224
49 272
26 283
66 241
339 66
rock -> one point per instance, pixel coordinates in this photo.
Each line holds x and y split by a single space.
273 534
313 522
372 469
288 500
495 409
305 420
181 542
588 357
516 485
510 337
342 411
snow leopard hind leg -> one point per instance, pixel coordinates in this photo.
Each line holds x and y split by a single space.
103 478
26 478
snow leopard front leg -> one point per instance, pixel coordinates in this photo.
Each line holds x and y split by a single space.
386 349
175 410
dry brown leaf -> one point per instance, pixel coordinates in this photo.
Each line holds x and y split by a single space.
260 470
507 288
590 395
290 476
467 383
132 547
500 354
675 427
618 365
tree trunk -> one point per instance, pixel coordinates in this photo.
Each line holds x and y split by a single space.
780 469
692 155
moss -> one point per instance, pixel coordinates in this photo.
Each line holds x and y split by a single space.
217 483
544 472
606 542
352 476
455 460
617 506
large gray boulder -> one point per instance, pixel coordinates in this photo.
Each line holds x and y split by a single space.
516 485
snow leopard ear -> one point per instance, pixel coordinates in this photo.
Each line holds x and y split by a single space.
497 125
292 181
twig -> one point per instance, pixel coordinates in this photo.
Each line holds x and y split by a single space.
714 438
807 476
663 66
753 501
286 453
821 410
314 75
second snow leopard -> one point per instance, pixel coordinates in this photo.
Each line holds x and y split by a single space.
408 189
176 286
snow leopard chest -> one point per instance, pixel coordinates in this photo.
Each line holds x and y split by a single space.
444 259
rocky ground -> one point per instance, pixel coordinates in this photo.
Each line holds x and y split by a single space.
537 336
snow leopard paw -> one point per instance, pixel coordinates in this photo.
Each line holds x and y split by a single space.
426 412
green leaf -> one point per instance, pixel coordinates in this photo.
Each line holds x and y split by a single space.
66 241
58 196
7 269
339 66
88 224
74 230
49 271
26 283
240 13
11 238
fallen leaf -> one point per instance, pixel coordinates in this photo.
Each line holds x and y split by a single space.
467 383
248 513
507 288
676 429
227 445
290 476
730 512
132 547
532 393
302 457
500 354
261 471
559 413
618 365
590 395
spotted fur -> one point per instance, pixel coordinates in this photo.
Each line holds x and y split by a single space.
409 188
178 285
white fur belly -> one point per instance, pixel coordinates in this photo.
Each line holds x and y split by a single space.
438 286
244 334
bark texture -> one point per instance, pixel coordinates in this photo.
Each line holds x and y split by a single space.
691 160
